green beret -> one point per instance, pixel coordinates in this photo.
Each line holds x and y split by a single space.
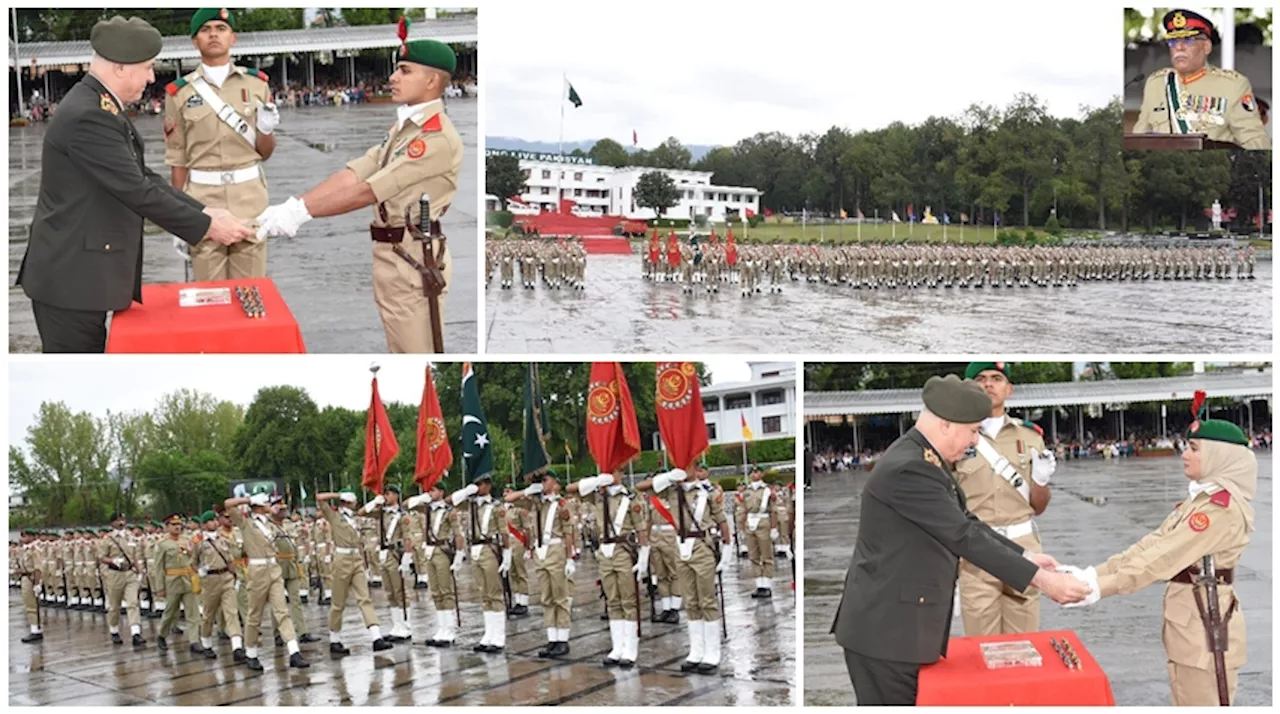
962 402
205 14
391 488
157 524
431 53
976 368
1217 430
125 41
207 516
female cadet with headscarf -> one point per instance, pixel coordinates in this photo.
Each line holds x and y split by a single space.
1215 520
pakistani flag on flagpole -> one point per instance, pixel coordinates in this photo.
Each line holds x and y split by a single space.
573 95
536 429
477 452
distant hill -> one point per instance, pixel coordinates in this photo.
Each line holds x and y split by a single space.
514 144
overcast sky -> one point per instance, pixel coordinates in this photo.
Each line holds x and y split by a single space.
714 73
137 384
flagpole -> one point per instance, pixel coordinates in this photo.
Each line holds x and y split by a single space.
377 457
560 172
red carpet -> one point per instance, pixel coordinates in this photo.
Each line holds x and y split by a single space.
599 246
567 224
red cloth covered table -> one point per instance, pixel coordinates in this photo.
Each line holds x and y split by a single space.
962 679
158 325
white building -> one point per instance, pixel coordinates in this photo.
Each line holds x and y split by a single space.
767 400
606 190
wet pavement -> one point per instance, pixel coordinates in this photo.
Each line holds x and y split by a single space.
77 665
1122 632
325 272
627 314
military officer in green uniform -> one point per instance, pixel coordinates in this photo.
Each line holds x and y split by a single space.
218 124
172 562
422 154
214 565
84 255
1192 97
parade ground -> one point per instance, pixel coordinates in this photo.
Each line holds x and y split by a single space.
325 272
628 314
1099 508
77 665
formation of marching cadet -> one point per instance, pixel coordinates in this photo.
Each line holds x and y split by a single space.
556 265
228 574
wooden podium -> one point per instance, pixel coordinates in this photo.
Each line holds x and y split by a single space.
1173 142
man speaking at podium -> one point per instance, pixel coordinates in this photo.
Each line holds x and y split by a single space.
84 257
1192 97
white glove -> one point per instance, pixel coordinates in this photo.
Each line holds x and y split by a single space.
415 501
463 494
1043 464
203 571
789 554
663 480
377 501
406 561
118 561
328 559
283 219
1090 577
182 248
724 563
268 116
457 562
505 567
570 567
773 534
533 490
588 485
641 568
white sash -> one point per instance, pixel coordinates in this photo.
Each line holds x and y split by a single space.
485 512
1002 467
225 113
391 529
548 524
753 519
435 528
607 548
699 507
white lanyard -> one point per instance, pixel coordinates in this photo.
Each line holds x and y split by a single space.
225 113
435 527
1003 468
549 522
621 514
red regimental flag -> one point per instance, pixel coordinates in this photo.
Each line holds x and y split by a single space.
380 447
434 453
613 434
680 418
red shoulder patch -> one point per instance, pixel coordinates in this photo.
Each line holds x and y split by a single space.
171 88
1198 522
432 124
263 76
1222 498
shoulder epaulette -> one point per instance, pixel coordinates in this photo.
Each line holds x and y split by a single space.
1229 73
173 87
1032 425
432 124
1159 73
253 72
1221 498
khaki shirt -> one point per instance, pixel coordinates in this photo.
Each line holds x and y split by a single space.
539 507
172 558
442 525
1217 102
1208 524
214 552
988 496
605 510
195 138
256 543
712 513
774 512
342 529
286 551
485 525
424 155
113 546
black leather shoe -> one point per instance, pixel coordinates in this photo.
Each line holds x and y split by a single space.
432 643
224 637
196 648
153 615
116 639
397 638
279 641
604 615
325 600
480 648
520 610
254 664
304 599
337 648
237 656
688 666
162 644
626 664
138 641
178 630
33 637
493 649
308 638
671 617
297 662
548 651
209 653
381 644
420 586
610 662
705 668
562 649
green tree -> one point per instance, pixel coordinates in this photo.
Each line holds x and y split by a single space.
607 152
504 178
355 16
670 154
68 457
1150 370
656 190
278 436
189 422
266 19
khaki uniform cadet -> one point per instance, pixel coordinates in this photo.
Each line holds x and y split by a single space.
422 154
417 532
1212 101
323 540
266 583
348 575
171 560
623 559
997 481
287 554
242 572
1215 521
519 526
211 130
216 567
486 534
65 563
697 507
368 531
552 541
665 555
759 512
391 558
442 549
299 531
28 571
155 582
119 557
739 521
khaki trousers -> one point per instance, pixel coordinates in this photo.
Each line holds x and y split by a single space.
697 577
219 596
121 585
988 607
553 586
266 587
349 577
619 583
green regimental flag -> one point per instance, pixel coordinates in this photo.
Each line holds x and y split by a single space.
477 452
536 429
573 95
